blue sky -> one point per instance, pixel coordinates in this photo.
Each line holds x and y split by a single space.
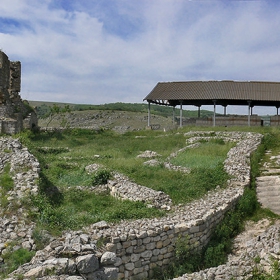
103 51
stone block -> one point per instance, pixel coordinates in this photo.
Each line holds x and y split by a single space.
151 246
142 235
135 257
156 252
168 255
87 264
129 266
138 263
126 244
139 242
154 259
139 249
147 240
108 258
194 229
159 244
140 276
147 254
170 248
126 259
156 238
166 242
129 250
138 270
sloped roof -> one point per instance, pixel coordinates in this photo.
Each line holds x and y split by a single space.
223 92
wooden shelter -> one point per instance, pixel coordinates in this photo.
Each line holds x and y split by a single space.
224 93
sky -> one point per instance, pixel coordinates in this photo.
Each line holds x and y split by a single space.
106 51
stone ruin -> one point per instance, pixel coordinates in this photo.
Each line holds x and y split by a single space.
15 114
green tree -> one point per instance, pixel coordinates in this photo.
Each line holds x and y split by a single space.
54 111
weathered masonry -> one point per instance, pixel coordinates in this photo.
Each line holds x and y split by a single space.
132 249
15 115
222 93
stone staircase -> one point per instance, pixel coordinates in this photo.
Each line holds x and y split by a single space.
268 185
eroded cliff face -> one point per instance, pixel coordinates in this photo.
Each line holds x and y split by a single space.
15 115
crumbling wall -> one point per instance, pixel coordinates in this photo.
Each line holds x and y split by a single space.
13 111
4 72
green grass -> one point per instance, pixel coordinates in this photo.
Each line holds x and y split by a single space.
64 156
6 184
208 155
78 208
6 181
13 259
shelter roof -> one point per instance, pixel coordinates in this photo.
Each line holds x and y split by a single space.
224 93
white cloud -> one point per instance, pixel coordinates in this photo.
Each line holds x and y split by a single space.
100 52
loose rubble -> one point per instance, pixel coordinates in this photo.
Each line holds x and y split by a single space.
14 225
122 187
149 154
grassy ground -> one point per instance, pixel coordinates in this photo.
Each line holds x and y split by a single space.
208 155
64 156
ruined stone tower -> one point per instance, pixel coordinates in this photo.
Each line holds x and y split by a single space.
15 115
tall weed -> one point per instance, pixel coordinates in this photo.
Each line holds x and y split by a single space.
13 259
6 181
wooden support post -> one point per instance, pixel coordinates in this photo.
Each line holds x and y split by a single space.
214 116
149 114
249 113
181 113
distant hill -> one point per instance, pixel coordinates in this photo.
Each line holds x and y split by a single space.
43 108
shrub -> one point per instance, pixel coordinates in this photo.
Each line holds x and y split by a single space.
13 259
101 177
41 238
186 260
260 275
215 254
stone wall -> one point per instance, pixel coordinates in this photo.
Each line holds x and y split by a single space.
142 245
230 121
239 121
134 248
4 71
12 109
10 126
275 120
15 76
30 121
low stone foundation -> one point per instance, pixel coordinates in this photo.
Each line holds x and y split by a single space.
137 247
